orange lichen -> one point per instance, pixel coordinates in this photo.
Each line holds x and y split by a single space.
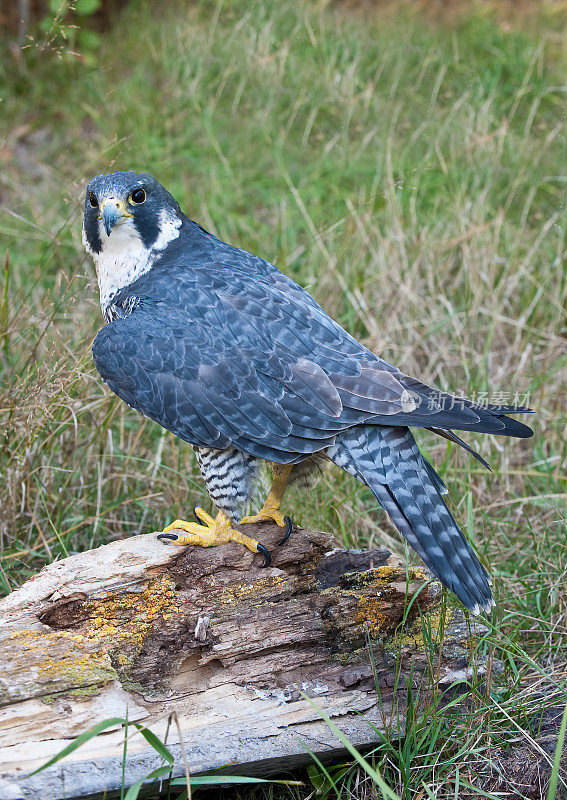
423 632
369 613
126 619
29 638
39 638
374 590
243 591
81 669
73 664
379 576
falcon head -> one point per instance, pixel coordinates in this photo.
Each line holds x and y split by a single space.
129 219
128 200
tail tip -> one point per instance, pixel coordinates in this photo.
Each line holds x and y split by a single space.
486 607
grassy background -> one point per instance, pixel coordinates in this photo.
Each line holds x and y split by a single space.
405 169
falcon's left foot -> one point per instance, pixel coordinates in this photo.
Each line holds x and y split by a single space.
271 509
216 530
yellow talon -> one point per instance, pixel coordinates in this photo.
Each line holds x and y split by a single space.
216 530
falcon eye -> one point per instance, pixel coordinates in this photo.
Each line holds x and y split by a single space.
92 200
138 197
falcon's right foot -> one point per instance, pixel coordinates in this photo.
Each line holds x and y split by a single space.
216 530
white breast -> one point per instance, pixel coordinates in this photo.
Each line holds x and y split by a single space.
124 258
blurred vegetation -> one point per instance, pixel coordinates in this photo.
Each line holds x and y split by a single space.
409 173
57 24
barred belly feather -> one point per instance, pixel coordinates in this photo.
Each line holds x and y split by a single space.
229 476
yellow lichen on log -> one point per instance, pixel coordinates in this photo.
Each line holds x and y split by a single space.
122 622
55 661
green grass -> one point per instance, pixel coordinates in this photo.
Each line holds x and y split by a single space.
407 172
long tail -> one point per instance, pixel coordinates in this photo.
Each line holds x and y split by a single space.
388 460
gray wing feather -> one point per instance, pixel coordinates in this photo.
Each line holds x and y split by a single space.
242 355
211 397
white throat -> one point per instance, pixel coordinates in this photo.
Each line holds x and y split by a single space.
124 257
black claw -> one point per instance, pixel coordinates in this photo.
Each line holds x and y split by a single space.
172 536
266 553
288 527
196 517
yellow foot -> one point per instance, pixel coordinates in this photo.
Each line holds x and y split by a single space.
216 530
267 515
272 515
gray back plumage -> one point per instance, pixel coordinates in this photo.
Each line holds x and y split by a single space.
223 349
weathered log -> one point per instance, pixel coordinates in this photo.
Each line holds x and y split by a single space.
234 649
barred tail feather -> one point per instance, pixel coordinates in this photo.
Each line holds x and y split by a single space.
434 476
406 489
442 546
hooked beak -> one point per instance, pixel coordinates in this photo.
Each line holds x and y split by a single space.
113 212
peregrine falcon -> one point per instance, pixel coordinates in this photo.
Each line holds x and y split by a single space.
228 353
